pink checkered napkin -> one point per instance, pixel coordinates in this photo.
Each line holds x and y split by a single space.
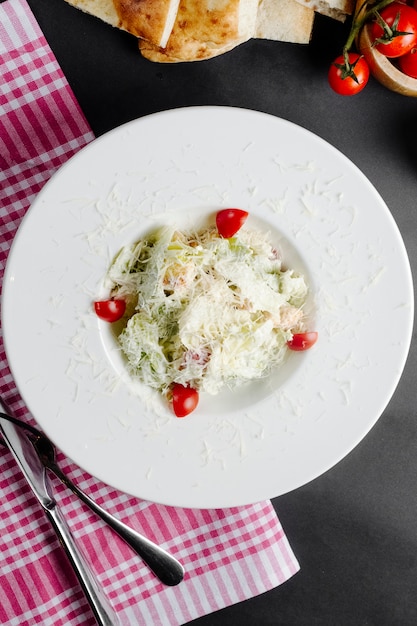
229 555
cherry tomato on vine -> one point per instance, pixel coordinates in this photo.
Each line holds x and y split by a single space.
302 341
229 221
110 310
348 77
184 399
408 63
395 30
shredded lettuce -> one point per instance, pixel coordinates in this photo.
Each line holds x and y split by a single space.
205 311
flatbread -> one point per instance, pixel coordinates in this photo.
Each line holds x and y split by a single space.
284 20
152 20
200 52
103 9
174 31
336 9
148 19
278 20
204 29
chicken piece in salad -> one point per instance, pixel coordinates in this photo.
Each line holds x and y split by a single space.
205 310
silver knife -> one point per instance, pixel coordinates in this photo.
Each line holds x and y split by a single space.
25 455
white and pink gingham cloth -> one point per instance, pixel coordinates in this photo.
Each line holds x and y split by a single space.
229 555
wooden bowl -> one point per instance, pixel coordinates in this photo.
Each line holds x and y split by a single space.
382 68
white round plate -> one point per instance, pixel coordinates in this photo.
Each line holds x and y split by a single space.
181 167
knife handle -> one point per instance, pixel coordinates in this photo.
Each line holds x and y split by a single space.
164 566
101 608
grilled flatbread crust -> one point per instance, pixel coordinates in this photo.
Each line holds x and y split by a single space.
147 19
204 29
198 51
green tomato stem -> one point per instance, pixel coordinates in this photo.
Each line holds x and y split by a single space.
362 14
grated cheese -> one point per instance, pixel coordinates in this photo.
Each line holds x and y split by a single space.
203 310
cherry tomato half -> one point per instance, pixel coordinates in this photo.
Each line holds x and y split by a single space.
399 33
302 341
348 78
408 63
184 400
229 221
110 310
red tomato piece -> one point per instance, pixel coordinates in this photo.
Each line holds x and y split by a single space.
229 221
184 399
395 30
110 310
408 63
348 77
302 341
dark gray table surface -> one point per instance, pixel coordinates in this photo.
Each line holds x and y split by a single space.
354 529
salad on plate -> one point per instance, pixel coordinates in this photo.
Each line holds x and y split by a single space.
204 310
